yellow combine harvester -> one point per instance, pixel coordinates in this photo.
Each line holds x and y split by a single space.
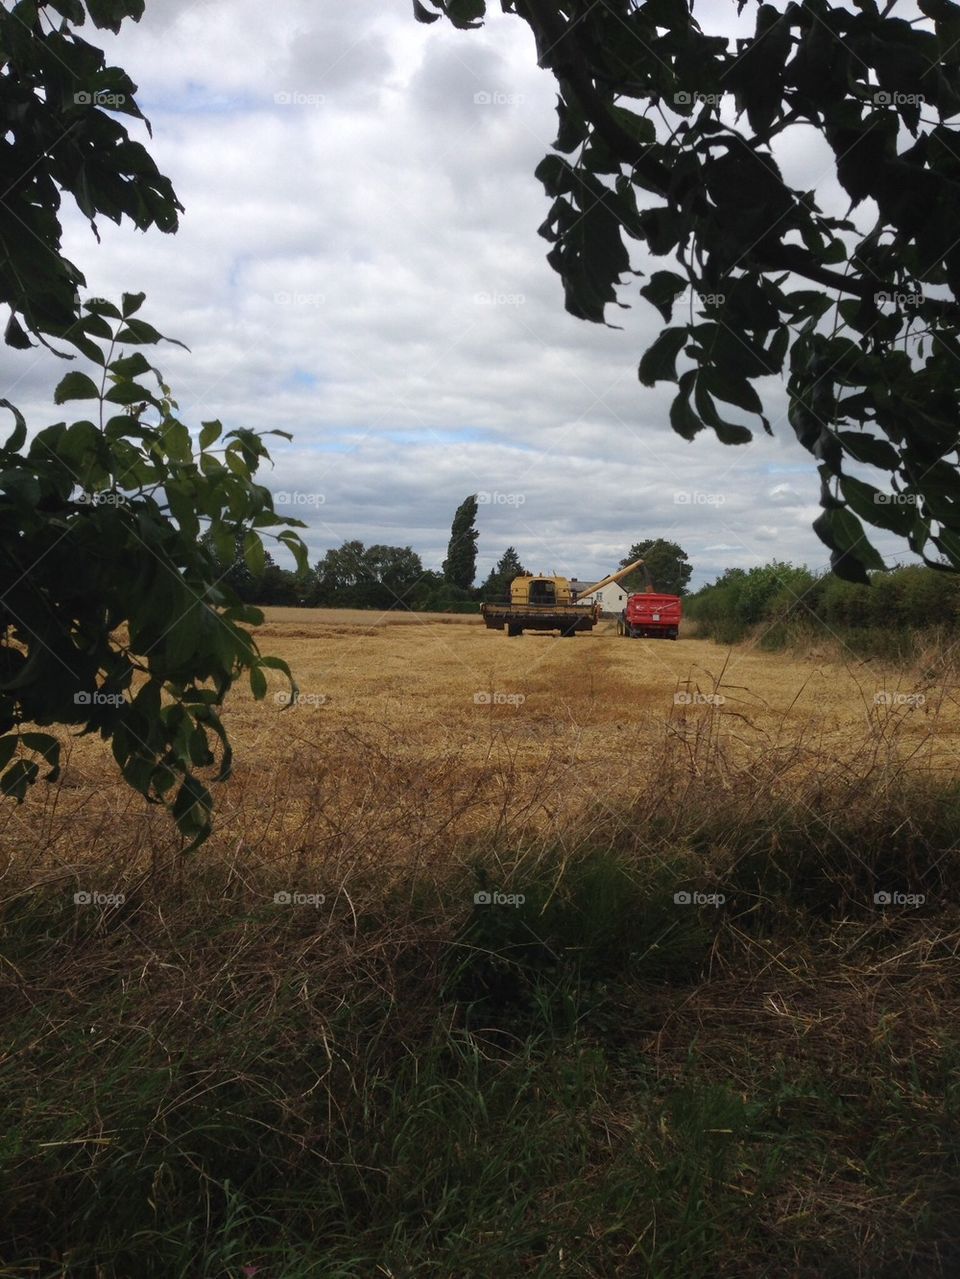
548 604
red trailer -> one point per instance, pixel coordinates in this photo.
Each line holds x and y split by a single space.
650 616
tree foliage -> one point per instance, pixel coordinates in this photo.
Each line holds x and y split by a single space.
114 615
777 600
859 317
460 566
355 576
665 565
58 100
497 585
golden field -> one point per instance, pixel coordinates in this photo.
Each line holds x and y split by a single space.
414 733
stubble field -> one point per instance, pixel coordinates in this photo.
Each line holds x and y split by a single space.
687 1040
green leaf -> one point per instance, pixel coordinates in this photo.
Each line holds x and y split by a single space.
76 386
46 746
14 442
423 15
556 174
258 683
18 778
254 555
8 748
639 127
659 362
682 417
882 509
100 306
853 554
131 366
131 303
210 432
663 289
733 390
191 811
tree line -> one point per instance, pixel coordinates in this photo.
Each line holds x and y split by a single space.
353 575
781 603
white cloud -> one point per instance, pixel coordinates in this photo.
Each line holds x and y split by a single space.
364 270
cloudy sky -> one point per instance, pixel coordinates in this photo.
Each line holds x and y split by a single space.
359 264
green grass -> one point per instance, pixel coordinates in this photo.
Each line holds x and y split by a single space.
600 1082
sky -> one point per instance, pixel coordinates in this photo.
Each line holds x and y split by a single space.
358 264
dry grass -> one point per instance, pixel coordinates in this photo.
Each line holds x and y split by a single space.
788 1063
389 751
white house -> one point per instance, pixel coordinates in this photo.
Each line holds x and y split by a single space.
611 598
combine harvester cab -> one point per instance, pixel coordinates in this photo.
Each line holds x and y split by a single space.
649 615
540 603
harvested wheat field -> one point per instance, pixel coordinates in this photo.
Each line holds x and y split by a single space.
529 957
413 732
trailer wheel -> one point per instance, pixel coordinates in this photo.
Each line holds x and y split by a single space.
514 630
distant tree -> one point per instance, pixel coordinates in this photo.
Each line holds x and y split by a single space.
354 576
460 566
497 585
666 563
